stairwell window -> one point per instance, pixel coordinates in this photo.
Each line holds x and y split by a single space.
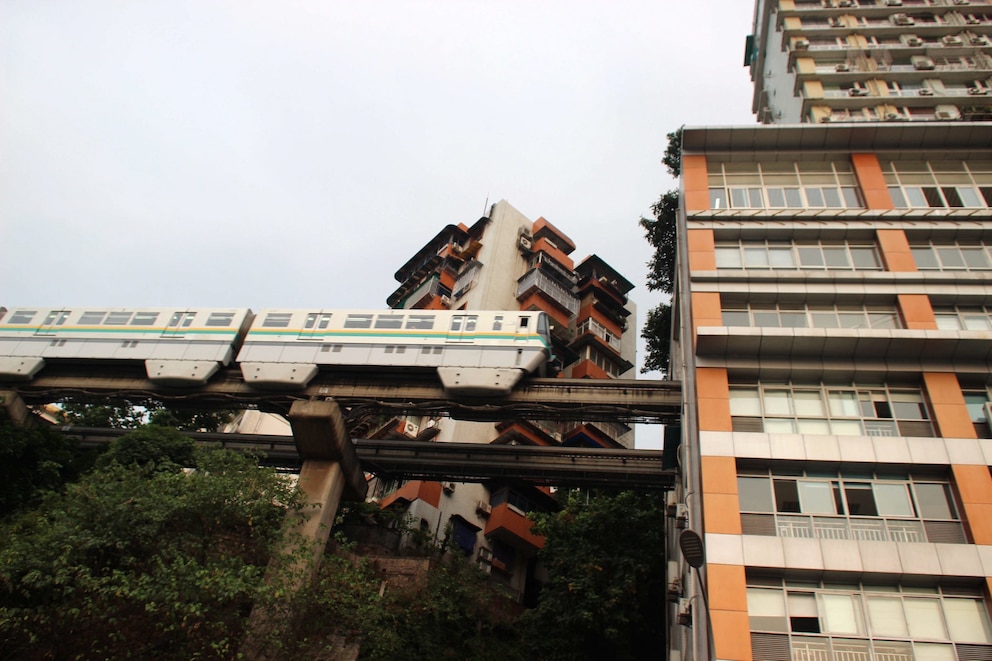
783 185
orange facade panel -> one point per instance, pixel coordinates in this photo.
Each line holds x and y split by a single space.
538 301
896 253
696 182
974 487
702 250
872 181
587 369
542 245
505 521
590 310
429 492
731 635
947 401
706 310
713 396
542 227
917 312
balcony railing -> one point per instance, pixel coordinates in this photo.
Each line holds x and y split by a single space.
535 279
592 326
804 526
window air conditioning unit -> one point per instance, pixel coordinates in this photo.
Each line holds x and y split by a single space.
922 63
843 66
448 487
926 91
845 3
685 613
960 2
952 40
483 508
411 429
801 44
834 22
857 91
892 116
977 91
979 40
971 20
913 41
826 119
674 581
947 113
526 243
902 19
681 515
446 301
893 3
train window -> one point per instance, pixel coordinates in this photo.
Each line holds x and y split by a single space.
277 320
470 323
498 322
22 317
118 318
420 322
92 318
56 318
318 321
358 321
144 318
389 321
220 319
524 322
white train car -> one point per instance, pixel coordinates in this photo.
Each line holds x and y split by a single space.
179 346
474 352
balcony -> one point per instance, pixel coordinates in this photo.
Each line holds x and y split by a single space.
536 281
860 529
510 525
592 326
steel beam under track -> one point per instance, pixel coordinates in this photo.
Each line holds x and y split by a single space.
456 462
630 401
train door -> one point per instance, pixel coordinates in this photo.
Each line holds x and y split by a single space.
178 324
53 320
314 325
462 329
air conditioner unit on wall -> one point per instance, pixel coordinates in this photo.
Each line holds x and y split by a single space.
448 487
483 508
685 613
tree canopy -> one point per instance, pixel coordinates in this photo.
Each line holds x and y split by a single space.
661 232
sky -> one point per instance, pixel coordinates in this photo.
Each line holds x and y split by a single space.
295 153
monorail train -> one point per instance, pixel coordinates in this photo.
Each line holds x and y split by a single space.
474 352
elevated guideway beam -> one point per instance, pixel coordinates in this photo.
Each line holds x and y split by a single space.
629 401
456 462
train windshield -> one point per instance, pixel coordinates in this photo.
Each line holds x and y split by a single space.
542 326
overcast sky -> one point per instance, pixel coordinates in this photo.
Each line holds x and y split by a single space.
296 153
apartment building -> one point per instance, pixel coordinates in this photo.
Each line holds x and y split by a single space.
505 261
834 340
818 61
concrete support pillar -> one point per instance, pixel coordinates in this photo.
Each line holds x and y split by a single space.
17 411
331 471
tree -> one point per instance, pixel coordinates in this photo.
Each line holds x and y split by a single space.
605 596
662 233
33 462
131 562
133 413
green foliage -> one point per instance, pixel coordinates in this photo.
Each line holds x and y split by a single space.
33 462
130 563
161 447
662 233
606 565
134 413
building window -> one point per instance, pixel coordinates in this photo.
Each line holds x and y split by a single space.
970 256
819 620
824 409
774 315
783 185
601 361
963 318
863 506
930 184
977 399
813 255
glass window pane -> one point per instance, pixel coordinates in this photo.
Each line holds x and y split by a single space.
358 321
793 199
893 500
786 496
755 257
817 497
825 319
864 258
778 402
934 652
811 256
736 318
718 198
851 198
915 197
932 196
765 319
950 258
971 322
886 617
738 198
776 197
728 258
860 499
924 618
934 501
967 620
841 614
843 403
832 197
809 404
952 197
754 198
780 425
836 257
781 258
948 322
812 426
755 494
969 197
898 199
744 402
976 405
766 610
975 258
883 320
814 196
846 428
925 258
793 319
850 319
